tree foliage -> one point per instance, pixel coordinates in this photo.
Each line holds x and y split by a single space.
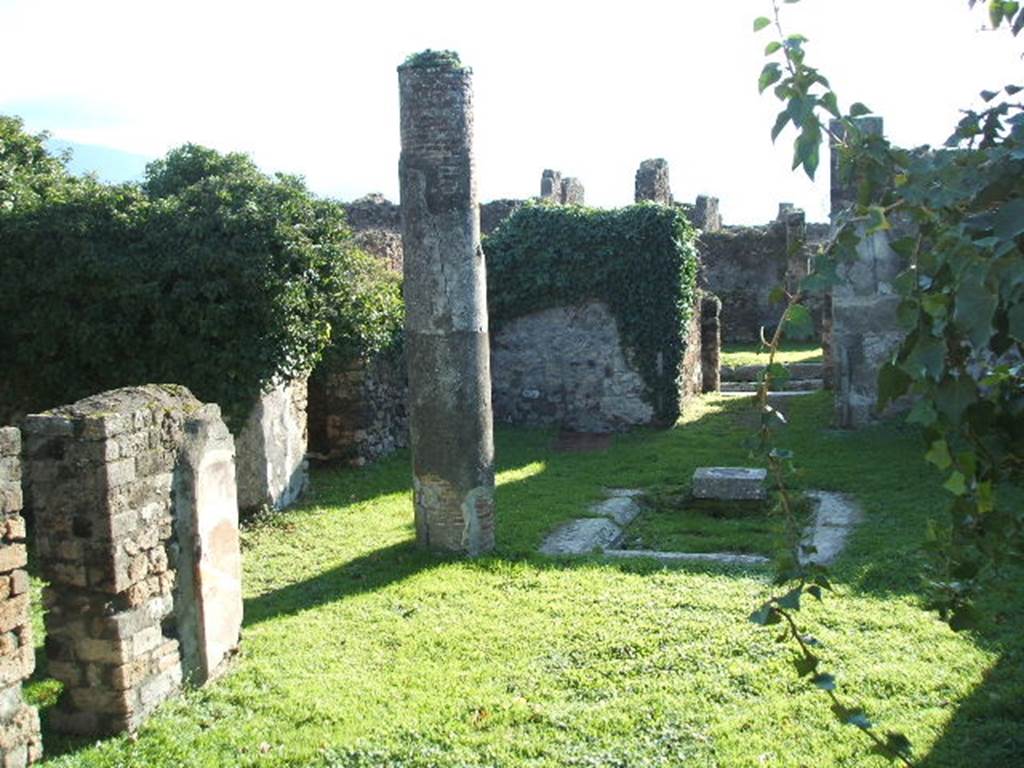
956 216
211 274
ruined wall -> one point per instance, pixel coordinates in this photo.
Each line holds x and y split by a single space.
360 414
272 466
19 723
492 214
741 266
136 531
567 366
652 182
691 372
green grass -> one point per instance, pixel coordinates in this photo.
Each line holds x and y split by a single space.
754 354
673 522
360 650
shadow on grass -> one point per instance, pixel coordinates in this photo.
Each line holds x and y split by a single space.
366 573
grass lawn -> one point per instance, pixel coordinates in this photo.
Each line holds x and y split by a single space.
360 650
753 354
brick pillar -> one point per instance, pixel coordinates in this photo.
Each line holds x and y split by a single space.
132 489
19 723
450 420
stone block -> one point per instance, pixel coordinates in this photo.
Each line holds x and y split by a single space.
582 537
729 483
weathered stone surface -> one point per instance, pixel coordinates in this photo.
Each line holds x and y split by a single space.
572 191
271 449
209 589
582 537
652 182
835 517
729 483
135 493
551 185
710 342
566 366
678 558
864 332
359 414
450 420
705 214
623 510
19 723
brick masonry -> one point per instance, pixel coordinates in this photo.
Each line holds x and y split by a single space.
19 723
119 484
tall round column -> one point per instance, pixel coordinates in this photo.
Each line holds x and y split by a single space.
450 422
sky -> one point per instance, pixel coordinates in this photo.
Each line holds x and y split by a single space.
587 88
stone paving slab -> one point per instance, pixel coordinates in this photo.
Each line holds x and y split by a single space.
835 516
582 537
622 509
724 558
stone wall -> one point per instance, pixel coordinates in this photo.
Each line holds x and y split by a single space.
567 366
19 723
272 466
492 214
741 266
359 414
136 531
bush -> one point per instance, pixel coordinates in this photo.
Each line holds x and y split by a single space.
211 275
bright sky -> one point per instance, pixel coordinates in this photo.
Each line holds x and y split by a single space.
588 88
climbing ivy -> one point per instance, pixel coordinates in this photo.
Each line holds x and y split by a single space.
640 260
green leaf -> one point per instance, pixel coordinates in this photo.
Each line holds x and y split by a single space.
831 103
975 310
956 484
771 74
954 396
1009 220
806 665
799 324
857 109
1016 318
939 455
780 123
926 358
761 22
791 600
765 616
987 96
877 219
824 681
893 383
923 413
772 47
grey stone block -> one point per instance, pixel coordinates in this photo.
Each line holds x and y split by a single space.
581 537
730 483
622 509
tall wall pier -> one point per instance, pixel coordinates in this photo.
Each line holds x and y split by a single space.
19 723
136 512
865 331
446 329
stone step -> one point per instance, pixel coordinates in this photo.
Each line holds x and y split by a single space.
751 372
793 385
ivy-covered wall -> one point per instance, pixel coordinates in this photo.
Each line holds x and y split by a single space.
640 262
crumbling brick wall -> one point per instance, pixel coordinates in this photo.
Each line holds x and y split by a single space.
359 414
19 723
126 487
